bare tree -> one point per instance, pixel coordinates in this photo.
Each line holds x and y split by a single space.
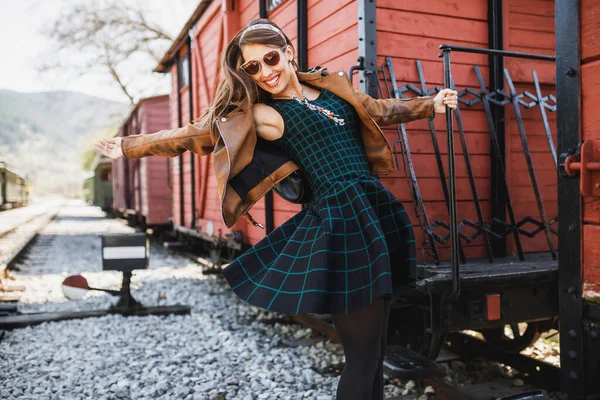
106 35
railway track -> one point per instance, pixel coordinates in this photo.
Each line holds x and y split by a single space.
14 242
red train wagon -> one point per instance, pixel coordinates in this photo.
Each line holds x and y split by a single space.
508 156
142 188
325 33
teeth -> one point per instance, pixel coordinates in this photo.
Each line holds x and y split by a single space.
272 81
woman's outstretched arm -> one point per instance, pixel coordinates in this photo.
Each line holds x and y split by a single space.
396 111
170 142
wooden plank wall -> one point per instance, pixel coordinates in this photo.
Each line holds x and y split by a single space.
332 33
590 120
529 28
156 202
412 30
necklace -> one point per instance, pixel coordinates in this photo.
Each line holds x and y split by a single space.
320 110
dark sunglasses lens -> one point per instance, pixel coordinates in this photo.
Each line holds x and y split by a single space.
272 58
251 67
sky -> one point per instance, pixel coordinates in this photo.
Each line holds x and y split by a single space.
23 46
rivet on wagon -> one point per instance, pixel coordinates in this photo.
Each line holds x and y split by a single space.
594 334
571 228
572 354
570 72
572 333
573 375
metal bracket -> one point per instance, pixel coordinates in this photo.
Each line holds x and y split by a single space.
586 163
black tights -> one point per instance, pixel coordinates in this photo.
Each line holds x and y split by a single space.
364 337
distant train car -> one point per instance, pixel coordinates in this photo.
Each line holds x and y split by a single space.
88 190
142 188
14 189
101 184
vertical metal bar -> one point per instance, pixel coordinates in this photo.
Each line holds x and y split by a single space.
568 93
180 123
262 8
534 182
192 155
451 186
438 154
467 158
499 193
498 155
409 168
542 103
302 34
269 212
367 46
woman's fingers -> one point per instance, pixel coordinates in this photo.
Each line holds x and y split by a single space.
106 146
450 98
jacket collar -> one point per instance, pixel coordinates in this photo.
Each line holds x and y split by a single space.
311 76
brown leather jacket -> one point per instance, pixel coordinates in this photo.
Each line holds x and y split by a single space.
238 153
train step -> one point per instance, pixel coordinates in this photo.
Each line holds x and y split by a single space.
536 269
404 364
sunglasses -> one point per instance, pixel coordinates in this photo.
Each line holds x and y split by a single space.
252 67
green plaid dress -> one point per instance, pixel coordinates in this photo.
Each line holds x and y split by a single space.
352 244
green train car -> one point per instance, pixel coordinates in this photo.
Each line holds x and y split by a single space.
98 189
14 189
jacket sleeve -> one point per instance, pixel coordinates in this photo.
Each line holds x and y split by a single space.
171 142
396 111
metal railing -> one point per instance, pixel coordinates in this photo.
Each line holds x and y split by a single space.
494 228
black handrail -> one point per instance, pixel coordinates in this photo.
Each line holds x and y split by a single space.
491 52
452 185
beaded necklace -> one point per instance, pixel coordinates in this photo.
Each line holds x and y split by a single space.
320 110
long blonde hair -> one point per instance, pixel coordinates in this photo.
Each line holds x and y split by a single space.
236 91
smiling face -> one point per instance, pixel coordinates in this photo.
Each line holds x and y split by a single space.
272 79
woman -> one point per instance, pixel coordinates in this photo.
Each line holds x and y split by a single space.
353 244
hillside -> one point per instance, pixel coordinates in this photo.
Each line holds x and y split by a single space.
45 134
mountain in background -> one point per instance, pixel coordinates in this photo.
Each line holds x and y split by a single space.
44 135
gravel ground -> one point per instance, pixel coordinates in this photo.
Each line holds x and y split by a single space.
224 350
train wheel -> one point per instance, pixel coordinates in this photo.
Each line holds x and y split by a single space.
514 337
408 327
